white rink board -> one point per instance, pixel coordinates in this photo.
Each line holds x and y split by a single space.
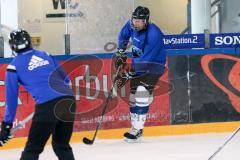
189 147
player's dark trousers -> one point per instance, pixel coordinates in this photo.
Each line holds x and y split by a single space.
149 81
54 118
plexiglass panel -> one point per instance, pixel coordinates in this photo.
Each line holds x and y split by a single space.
94 25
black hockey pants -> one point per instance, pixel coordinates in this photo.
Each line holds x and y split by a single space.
54 118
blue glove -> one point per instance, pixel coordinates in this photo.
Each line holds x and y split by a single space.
5 133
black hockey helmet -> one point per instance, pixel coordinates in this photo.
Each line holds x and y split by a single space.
19 40
141 13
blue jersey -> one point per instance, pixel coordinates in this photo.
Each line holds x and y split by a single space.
148 52
39 74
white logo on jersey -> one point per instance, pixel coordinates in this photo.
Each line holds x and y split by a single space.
36 62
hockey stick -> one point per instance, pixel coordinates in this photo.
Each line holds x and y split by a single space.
21 123
91 141
221 147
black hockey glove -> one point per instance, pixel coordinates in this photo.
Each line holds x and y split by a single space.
5 133
123 78
120 58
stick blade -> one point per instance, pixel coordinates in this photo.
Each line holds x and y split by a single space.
87 141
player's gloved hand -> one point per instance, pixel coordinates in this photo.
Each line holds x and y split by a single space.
120 58
123 77
5 133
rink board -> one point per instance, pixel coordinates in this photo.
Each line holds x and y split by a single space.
91 77
213 86
211 93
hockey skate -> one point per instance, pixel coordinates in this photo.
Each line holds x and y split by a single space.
134 135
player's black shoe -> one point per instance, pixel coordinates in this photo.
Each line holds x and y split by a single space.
133 135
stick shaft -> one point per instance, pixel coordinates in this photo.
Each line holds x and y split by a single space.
21 123
225 143
105 108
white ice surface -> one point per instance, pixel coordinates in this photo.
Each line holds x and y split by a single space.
188 147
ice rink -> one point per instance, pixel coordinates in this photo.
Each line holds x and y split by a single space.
187 147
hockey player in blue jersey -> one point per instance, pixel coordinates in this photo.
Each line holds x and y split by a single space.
148 64
48 84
